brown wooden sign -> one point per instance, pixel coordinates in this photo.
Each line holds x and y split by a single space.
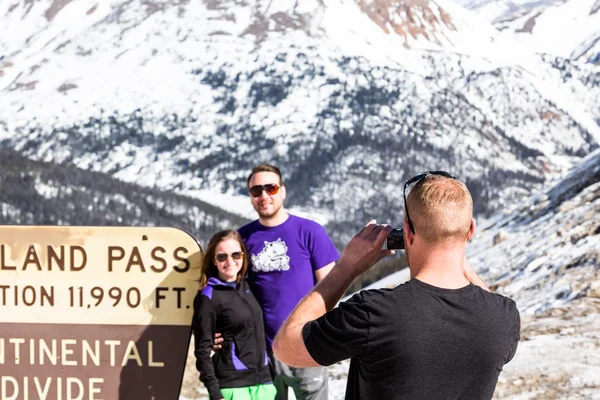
95 313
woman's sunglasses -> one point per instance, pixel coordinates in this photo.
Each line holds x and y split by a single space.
270 188
236 255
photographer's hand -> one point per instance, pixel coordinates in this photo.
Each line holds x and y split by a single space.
364 249
361 253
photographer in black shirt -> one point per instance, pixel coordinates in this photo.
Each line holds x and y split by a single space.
437 336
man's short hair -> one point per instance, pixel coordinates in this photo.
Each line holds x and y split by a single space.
441 209
265 168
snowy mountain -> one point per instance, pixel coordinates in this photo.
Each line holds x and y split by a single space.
559 235
349 98
564 28
188 96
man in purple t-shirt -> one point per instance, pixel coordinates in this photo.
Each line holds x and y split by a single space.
288 256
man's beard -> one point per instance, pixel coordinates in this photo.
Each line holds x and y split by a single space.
268 214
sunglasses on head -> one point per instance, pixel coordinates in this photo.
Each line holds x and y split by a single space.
222 257
416 179
270 188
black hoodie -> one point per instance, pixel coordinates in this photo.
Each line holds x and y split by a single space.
234 312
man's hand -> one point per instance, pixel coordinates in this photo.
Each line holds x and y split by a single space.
361 253
217 343
364 249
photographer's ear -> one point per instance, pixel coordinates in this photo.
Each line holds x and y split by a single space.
282 189
471 229
408 235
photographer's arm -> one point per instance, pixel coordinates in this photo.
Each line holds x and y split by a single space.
472 276
289 344
468 270
362 252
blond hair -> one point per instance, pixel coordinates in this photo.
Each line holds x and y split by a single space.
440 209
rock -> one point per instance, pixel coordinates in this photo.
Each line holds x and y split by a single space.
499 237
594 290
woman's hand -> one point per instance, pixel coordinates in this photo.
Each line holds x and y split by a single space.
218 340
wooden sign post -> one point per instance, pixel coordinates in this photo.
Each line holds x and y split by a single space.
95 313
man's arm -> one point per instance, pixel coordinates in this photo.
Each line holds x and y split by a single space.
472 276
323 253
361 253
322 272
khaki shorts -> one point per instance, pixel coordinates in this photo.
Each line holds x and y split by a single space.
307 383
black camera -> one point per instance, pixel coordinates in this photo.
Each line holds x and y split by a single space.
395 240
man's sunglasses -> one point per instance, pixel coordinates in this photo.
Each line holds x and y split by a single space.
270 188
236 255
414 180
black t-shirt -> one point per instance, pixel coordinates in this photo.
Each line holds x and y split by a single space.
418 341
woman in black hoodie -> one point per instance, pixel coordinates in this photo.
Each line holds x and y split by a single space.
225 304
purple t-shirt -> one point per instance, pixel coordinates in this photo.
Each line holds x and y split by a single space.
283 259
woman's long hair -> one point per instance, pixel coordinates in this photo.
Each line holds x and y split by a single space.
209 269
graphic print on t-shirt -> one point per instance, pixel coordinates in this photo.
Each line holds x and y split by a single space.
273 257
